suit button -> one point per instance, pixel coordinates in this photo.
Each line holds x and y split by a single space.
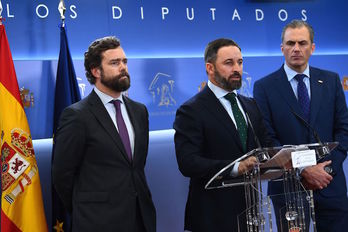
135 193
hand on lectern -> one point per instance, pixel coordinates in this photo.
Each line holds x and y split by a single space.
315 177
246 165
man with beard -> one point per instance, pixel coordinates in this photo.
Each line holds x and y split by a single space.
211 131
100 151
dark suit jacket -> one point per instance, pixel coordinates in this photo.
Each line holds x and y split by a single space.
91 171
206 140
328 116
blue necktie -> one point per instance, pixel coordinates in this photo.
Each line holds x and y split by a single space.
302 95
122 129
238 116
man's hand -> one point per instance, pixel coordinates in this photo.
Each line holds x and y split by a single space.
315 177
246 165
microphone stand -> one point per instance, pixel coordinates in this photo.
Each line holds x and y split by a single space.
324 150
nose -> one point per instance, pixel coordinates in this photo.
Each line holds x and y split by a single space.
296 47
123 66
237 67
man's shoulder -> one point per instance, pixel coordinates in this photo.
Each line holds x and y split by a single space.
83 106
247 101
271 77
321 72
245 98
132 102
76 110
197 99
77 105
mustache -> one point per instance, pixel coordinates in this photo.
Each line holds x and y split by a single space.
235 75
122 74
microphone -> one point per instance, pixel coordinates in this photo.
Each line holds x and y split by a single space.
308 126
323 151
257 141
263 156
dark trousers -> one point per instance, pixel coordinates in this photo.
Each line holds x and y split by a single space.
139 225
335 222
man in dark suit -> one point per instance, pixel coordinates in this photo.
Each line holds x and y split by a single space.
209 135
280 100
101 147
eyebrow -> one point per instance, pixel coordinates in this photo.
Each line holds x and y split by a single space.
231 59
294 41
118 59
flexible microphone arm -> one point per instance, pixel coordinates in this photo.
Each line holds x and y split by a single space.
303 121
263 156
257 141
323 151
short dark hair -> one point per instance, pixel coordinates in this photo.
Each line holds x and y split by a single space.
93 56
296 23
213 47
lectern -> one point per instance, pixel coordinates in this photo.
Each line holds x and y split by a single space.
275 164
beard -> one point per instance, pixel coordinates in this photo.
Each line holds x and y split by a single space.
227 83
115 83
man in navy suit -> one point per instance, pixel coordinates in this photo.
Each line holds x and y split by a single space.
279 98
209 136
101 148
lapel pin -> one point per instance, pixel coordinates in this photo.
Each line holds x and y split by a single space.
320 81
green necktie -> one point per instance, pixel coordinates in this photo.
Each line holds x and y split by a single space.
240 121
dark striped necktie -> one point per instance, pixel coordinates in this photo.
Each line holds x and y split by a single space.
302 96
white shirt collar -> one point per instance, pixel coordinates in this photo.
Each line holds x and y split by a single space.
219 92
291 73
106 98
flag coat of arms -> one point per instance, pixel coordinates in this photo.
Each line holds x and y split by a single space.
21 198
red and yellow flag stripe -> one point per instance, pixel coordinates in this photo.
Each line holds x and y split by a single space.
21 198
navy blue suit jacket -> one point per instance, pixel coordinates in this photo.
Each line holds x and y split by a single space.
328 116
206 140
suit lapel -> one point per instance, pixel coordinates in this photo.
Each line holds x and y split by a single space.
102 116
250 112
135 123
316 94
214 106
285 90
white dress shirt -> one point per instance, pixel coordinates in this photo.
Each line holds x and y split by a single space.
110 108
220 93
293 82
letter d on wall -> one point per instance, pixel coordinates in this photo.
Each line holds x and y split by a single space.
114 16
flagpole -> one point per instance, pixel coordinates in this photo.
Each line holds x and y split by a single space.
66 93
61 9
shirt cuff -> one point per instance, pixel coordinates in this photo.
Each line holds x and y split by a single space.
234 171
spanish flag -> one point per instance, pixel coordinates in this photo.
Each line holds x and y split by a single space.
21 199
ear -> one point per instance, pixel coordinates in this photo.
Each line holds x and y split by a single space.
209 67
313 48
96 72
